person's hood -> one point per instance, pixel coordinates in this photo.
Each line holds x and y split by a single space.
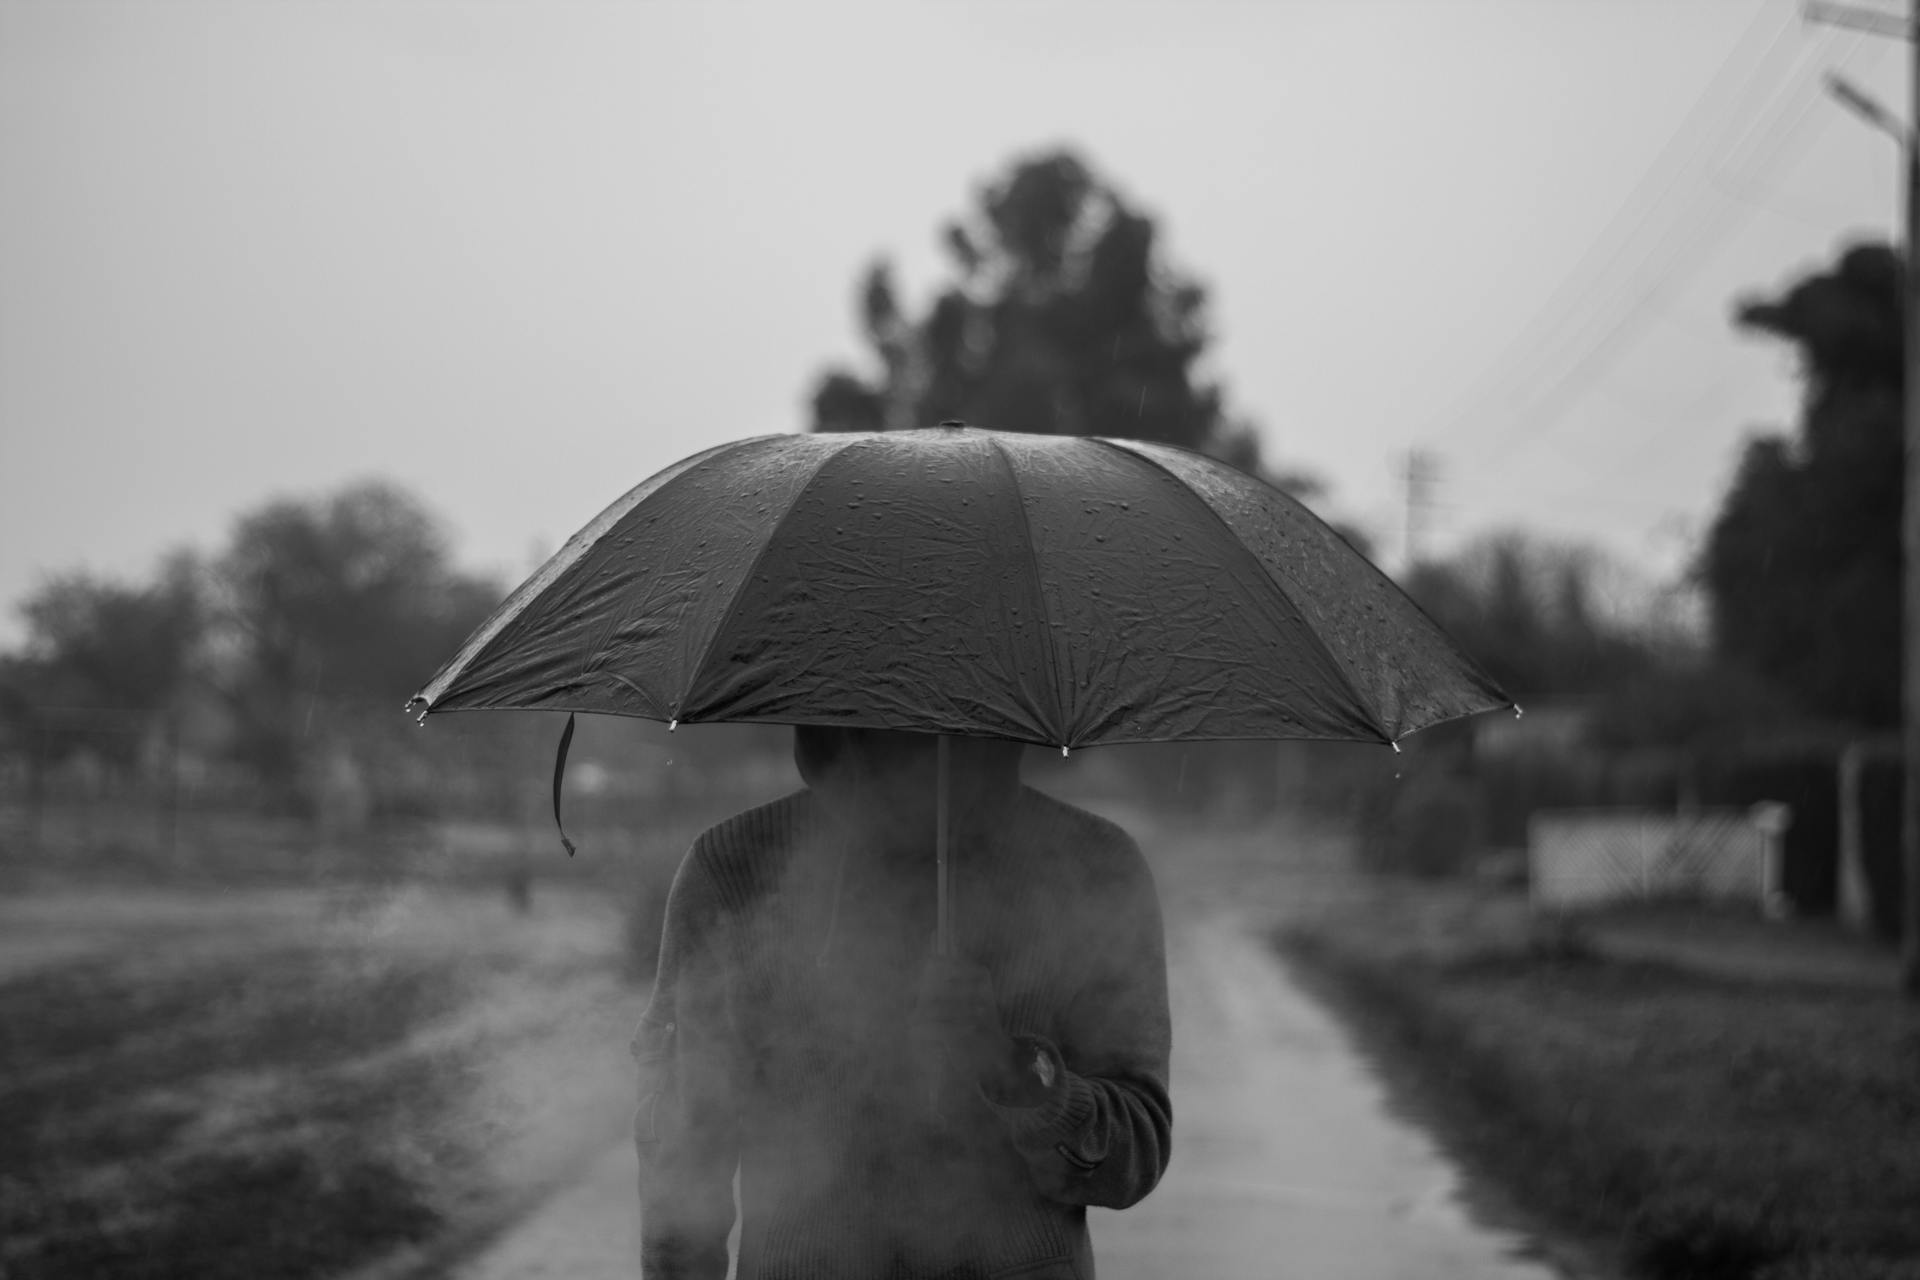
879 787
883 782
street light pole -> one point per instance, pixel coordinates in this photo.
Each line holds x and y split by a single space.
1884 23
1910 557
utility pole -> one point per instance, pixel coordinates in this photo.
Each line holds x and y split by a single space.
1884 23
1420 477
1910 548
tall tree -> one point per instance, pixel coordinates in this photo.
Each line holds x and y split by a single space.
1530 611
1803 561
349 598
103 659
1060 317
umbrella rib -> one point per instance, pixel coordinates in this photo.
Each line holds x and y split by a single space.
578 545
1332 659
1045 621
739 593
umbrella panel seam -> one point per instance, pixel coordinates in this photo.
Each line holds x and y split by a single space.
516 604
699 668
1470 665
1044 621
1312 632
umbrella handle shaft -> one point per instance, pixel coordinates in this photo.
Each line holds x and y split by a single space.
943 886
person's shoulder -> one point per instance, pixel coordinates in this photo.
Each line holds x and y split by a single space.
750 831
1084 841
737 854
1071 820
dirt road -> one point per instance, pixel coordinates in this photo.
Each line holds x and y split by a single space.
1287 1159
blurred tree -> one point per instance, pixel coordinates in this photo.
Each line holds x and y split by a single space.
1060 318
350 598
1803 561
99 646
1693 700
1531 611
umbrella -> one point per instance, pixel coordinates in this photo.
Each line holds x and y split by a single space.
1061 590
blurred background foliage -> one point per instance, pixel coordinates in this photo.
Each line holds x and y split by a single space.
1060 316
1803 561
314 608
266 675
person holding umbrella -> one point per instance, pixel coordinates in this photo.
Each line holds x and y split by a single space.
892 1111
919 1074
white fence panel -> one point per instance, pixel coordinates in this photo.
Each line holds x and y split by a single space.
1592 856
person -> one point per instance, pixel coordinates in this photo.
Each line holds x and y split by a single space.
892 1113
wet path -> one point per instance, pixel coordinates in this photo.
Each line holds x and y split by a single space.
1287 1160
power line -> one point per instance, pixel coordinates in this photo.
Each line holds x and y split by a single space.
1639 289
1665 171
1861 19
1645 442
1545 408
1746 133
1421 476
1678 263
1760 94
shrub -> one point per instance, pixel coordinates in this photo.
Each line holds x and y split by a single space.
1881 788
1700 1240
1428 827
1840 1267
1804 777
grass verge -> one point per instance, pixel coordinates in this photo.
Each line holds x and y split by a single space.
239 1085
1680 1123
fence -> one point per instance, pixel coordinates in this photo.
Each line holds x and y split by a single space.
1591 857
130 794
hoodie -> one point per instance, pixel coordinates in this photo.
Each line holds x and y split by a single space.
774 1047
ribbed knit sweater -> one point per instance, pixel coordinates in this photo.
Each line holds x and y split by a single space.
774 1046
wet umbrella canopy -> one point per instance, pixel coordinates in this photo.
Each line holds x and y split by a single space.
1060 590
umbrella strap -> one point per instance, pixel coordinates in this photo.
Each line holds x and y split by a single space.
559 772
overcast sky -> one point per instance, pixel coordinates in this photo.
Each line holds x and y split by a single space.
520 256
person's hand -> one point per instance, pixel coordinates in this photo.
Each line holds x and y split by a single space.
956 1024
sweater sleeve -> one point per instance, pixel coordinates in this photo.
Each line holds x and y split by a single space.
686 1129
1101 1132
